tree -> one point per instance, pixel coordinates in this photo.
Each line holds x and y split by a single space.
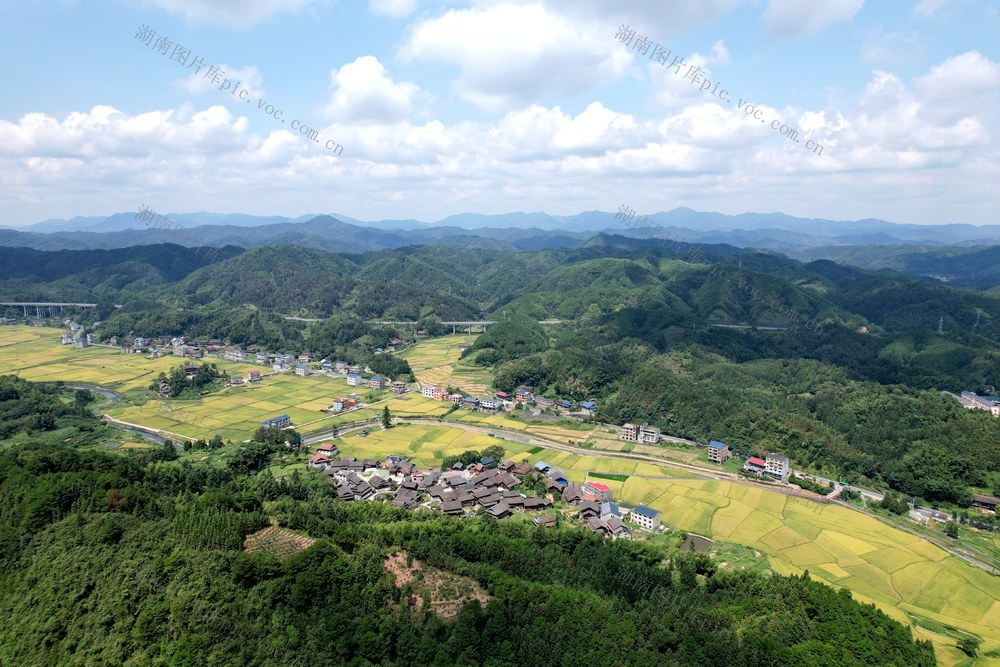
951 530
386 417
969 646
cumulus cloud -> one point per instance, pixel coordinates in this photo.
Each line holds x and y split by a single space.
515 54
237 13
363 91
961 86
799 18
892 146
393 8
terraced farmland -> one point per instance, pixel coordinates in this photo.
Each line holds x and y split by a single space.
436 361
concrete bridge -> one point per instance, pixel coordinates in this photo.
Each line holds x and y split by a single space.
49 306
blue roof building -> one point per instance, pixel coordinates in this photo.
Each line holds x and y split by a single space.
542 466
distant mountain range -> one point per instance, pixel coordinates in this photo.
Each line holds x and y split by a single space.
938 251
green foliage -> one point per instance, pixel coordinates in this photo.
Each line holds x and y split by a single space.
509 338
893 502
970 646
951 530
27 407
469 457
181 386
389 365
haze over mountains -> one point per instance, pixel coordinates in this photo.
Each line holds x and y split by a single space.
958 253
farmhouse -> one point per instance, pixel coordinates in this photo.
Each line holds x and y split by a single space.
377 382
399 387
253 376
318 460
755 464
354 380
637 433
718 452
776 466
645 517
328 449
601 491
301 370
985 502
281 421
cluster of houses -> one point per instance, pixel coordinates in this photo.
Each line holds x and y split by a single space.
503 401
974 401
773 465
75 336
487 488
639 433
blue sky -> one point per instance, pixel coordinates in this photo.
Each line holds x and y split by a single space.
492 107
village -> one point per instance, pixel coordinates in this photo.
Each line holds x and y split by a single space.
484 488
772 466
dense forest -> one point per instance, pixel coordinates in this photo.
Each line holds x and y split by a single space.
136 558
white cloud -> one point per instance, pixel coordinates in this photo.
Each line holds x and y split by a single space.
799 18
919 149
239 79
962 86
362 90
511 54
928 8
656 20
393 8
237 13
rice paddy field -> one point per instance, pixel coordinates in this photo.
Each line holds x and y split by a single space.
233 413
910 579
427 444
436 361
34 353
236 412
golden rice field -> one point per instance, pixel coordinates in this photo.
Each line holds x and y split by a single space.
236 412
899 572
34 353
436 361
233 413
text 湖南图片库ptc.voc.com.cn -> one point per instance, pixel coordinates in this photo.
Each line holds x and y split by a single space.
696 75
214 75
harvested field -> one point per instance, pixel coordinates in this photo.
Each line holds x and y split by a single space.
280 542
447 592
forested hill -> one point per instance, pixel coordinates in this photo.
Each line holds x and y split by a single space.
136 558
